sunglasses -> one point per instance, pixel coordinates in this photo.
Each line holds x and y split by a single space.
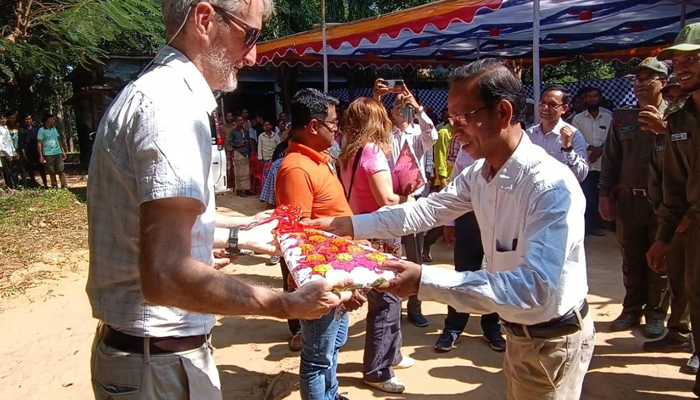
252 35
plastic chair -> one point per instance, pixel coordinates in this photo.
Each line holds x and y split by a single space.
256 174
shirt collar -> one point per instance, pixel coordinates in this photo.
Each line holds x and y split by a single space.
318 158
556 130
510 174
171 57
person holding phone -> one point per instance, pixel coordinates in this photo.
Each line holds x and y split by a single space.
420 137
242 147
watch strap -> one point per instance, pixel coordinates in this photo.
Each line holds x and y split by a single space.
233 241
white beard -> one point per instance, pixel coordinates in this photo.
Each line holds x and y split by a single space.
223 66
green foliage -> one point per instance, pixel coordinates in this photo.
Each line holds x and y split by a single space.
577 70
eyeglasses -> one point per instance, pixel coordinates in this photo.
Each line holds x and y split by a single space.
332 128
646 81
551 106
691 59
463 119
252 35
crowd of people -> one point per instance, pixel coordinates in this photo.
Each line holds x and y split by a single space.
515 201
27 149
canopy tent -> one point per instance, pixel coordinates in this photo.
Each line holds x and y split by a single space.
456 31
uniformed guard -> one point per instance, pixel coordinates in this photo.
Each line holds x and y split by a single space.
626 160
681 175
678 337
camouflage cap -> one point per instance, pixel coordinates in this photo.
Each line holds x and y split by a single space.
653 64
688 39
672 82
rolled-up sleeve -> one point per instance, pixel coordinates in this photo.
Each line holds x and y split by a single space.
577 159
419 216
428 133
532 284
164 156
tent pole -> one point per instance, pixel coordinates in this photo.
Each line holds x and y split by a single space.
684 7
478 48
536 54
325 51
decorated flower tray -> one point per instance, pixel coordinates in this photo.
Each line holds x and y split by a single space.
312 254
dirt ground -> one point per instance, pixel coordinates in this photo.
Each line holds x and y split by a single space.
46 335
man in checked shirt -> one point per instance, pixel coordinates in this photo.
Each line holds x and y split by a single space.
531 212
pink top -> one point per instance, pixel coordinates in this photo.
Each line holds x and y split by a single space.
373 160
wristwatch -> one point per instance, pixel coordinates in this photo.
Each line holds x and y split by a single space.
567 149
233 241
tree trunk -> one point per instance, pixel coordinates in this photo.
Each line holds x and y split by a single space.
19 32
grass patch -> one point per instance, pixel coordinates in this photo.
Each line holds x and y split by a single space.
33 222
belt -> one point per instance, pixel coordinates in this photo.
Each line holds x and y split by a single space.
163 345
570 323
638 192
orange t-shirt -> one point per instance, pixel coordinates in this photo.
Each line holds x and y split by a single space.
305 179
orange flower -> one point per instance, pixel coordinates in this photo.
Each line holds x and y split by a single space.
333 249
317 239
355 249
344 257
316 257
322 269
307 248
298 234
338 242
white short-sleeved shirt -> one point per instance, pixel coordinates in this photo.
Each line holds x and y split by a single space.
154 142
594 130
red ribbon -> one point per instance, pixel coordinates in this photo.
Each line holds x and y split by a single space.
288 218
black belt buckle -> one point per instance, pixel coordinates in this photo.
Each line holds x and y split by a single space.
639 192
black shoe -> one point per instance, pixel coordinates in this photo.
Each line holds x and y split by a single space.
669 344
625 321
418 320
495 340
427 258
447 341
691 367
654 327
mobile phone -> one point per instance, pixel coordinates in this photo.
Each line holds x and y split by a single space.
394 84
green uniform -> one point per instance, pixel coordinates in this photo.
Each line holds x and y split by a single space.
681 196
626 160
679 321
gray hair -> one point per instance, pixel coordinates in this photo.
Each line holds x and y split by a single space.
175 11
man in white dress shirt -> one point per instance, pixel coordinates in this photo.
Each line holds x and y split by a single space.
531 212
594 124
152 220
559 139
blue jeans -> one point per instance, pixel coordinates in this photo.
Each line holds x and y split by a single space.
321 341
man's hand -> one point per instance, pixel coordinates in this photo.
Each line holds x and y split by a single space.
450 233
684 225
380 89
221 259
595 155
407 280
653 120
316 299
357 300
655 257
409 99
64 156
340 226
260 239
443 182
606 208
567 136
42 160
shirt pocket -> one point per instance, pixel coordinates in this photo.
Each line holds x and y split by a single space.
503 261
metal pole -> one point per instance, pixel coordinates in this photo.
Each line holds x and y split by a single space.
325 51
478 48
536 55
684 6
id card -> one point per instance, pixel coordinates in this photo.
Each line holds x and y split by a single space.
676 137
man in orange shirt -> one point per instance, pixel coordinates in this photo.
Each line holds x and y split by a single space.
306 179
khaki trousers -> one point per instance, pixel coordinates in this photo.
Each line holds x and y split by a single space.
188 375
549 369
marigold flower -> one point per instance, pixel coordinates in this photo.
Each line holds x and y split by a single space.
338 242
307 248
317 239
315 257
322 269
344 257
355 249
378 257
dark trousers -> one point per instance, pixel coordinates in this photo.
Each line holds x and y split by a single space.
592 193
413 248
679 320
7 174
469 254
431 237
692 284
645 290
383 336
294 325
